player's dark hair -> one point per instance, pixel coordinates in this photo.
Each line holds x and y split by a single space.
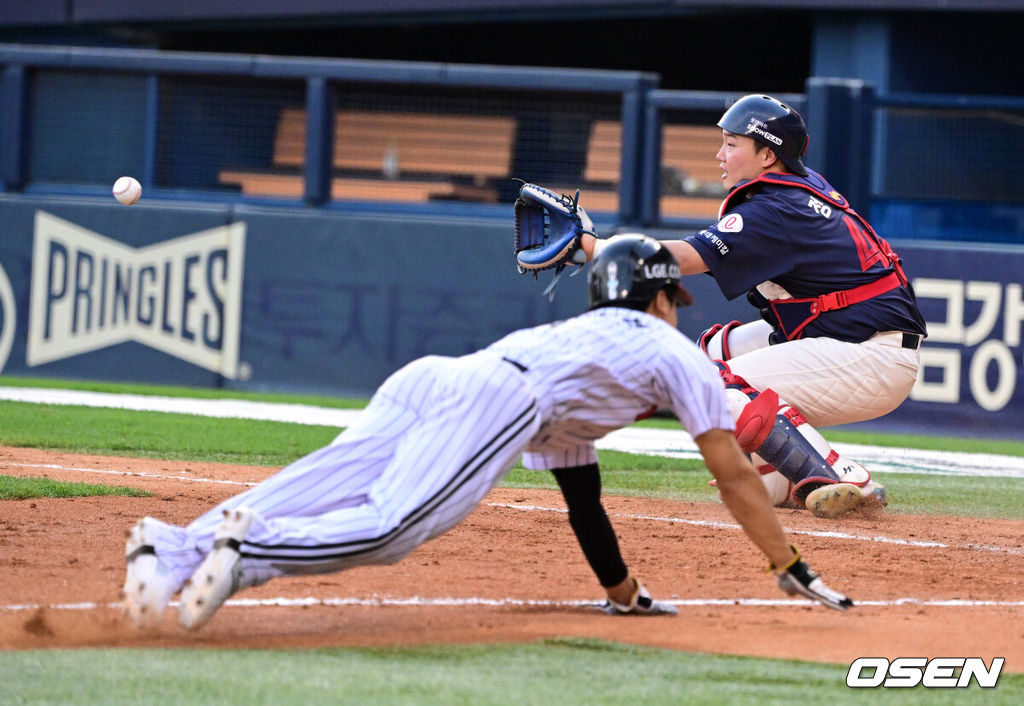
624 304
671 291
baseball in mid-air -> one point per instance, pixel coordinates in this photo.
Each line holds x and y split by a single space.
127 190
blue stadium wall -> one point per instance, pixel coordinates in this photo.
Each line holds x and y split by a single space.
296 300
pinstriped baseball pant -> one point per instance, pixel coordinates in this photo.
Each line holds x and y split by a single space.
435 438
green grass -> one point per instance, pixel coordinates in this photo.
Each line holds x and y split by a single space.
910 494
276 444
913 494
569 671
636 475
17 488
1005 447
172 391
118 432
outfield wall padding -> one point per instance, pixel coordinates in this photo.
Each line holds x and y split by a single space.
331 302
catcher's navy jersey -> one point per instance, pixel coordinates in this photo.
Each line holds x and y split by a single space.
782 236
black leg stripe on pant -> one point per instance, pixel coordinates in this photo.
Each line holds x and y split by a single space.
329 552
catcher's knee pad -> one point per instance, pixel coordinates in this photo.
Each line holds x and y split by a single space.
727 341
847 470
794 456
715 341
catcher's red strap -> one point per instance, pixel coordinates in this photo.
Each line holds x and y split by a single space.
847 297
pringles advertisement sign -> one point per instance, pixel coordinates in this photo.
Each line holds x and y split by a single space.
182 296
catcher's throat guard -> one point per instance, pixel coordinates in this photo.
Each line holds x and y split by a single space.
548 230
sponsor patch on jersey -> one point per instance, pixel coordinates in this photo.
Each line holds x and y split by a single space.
732 223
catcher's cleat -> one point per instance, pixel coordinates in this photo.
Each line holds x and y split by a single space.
641 604
149 584
220 574
874 492
834 499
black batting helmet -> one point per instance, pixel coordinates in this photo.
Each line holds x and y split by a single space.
772 123
630 270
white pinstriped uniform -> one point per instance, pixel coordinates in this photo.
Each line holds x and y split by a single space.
441 432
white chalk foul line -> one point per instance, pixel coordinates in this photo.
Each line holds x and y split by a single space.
223 408
139 474
810 533
451 602
676 443
536 508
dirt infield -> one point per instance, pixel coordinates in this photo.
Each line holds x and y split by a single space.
513 572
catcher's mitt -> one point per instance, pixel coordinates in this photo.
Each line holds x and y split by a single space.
548 231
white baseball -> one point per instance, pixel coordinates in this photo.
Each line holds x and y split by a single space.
127 190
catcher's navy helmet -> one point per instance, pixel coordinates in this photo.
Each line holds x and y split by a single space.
772 123
630 270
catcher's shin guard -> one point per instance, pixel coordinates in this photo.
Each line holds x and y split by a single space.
772 431
849 472
783 446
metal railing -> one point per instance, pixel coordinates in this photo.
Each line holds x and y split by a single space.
856 135
320 78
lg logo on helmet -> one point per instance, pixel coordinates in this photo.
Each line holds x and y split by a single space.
661 270
937 673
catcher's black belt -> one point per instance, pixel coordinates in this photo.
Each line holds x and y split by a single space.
912 341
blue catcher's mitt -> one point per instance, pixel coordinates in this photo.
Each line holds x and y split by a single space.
548 231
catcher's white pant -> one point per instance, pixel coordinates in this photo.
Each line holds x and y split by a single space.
831 382
436 437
